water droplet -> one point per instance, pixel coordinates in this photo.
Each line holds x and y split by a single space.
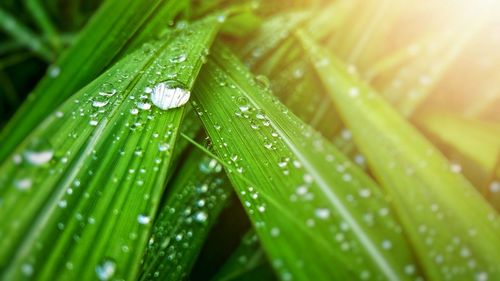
98 103
283 162
409 269
23 184
456 168
147 48
322 213
144 105
178 59
386 244
27 269
365 193
209 166
54 71
481 276
169 94
262 81
221 18
106 269
243 104
495 187
107 90
163 146
346 134
39 152
201 216
142 219
353 92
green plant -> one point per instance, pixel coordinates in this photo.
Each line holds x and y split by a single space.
248 140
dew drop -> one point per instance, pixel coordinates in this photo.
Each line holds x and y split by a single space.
386 244
201 216
365 193
353 92
456 168
106 269
99 104
39 153
409 269
54 71
163 147
107 90
27 269
322 213
144 105
142 219
169 94
178 59
495 187
23 184
481 276
262 81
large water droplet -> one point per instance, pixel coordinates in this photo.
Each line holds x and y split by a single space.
169 94
263 81
107 90
98 103
106 269
179 58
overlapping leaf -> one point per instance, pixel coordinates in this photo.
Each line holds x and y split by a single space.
91 175
453 230
297 189
195 199
97 45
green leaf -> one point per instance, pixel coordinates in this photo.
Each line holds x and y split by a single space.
24 35
269 36
85 187
246 259
448 223
196 197
414 82
42 19
297 189
96 46
474 143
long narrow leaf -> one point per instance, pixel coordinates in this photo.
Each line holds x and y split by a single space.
195 199
297 189
100 171
453 230
96 46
